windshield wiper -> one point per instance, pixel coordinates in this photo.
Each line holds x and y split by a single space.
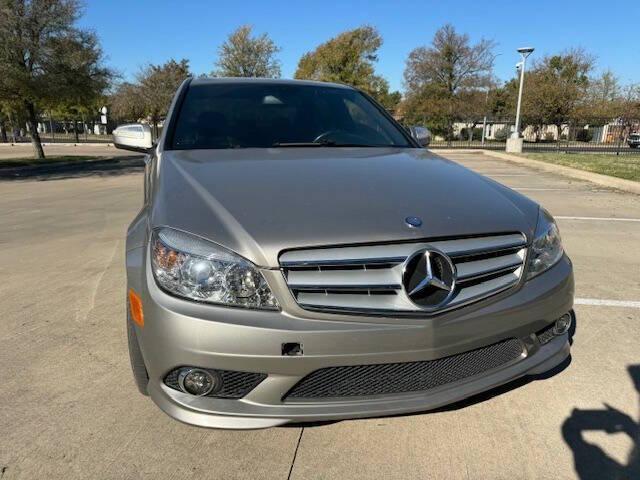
302 144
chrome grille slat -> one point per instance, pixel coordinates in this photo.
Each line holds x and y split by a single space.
330 279
354 302
352 262
368 278
463 282
348 288
396 252
493 286
474 246
488 265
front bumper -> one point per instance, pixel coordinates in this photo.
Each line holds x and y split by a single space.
179 333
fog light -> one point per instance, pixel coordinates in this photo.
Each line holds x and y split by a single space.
197 381
562 325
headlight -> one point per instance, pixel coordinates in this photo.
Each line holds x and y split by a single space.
194 268
546 249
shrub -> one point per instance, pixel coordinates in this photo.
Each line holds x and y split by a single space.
549 137
584 135
477 133
502 134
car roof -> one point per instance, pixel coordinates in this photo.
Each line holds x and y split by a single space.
264 81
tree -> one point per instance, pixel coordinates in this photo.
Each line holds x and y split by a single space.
501 101
555 87
605 88
157 86
349 58
4 120
630 96
440 76
45 59
242 55
390 100
472 106
10 117
126 103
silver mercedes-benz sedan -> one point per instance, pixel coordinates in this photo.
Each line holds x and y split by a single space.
300 257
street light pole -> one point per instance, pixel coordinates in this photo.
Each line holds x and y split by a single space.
484 119
524 53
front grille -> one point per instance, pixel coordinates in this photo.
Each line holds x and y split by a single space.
368 278
234 384
391 378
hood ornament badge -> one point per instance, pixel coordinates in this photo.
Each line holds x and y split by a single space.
413 222
429 279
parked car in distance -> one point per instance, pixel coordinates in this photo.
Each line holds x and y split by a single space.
299 257
634 140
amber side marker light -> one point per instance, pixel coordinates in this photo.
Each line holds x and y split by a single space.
135 306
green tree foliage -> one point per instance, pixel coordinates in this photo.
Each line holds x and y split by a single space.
441 79
555 87
389 100
126 103
4 123
501 101
46 60
151 95
158 85
244 55
349 58
561 89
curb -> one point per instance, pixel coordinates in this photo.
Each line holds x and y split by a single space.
597 178
465 151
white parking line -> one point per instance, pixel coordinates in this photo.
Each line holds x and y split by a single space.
606 303
603 219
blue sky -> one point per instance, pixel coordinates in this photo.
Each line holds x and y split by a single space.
136 32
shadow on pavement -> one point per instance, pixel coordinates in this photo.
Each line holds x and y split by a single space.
101 168
590 461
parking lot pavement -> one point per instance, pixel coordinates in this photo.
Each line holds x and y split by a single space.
70 409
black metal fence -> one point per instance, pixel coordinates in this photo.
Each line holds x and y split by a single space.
53 130
604 135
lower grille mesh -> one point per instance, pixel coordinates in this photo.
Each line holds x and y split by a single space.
382 379
234 384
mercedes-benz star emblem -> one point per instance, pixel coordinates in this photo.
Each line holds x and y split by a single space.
414 222
429 279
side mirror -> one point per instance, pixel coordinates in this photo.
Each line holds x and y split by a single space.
135 137
422 135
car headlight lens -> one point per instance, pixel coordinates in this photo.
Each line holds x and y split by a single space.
546 249
194 268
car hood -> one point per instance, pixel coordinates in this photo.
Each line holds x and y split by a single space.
258 202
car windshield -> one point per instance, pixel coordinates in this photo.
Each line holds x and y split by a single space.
264 115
